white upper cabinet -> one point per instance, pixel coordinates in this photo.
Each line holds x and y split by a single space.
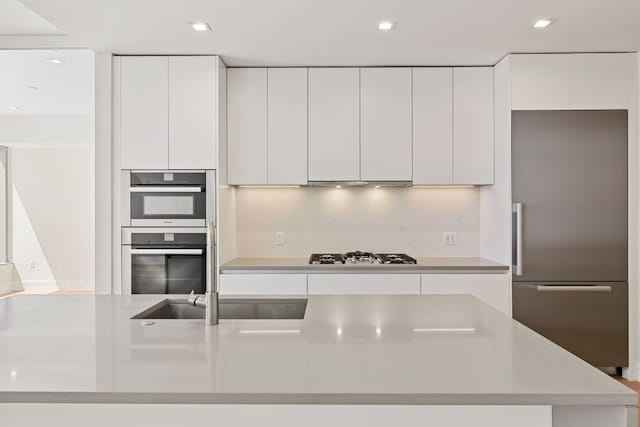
287 126
192 112
473 125
334 124
581 81
144 112
385 122
599 81
540 82
432 126
247 125
166 108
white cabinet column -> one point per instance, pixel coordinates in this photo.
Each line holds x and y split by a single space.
247 125
432 126
287 126
144 112
385 121
334 124
192 112
473 125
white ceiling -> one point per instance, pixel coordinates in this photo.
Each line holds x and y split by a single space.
342 32
61 88
17 19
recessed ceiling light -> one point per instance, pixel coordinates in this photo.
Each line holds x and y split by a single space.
200 26
542 23
32 87
13 108
386 25
56 61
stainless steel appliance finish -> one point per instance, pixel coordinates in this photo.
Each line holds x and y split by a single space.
167 260
570 252
168 198
588 319
229 309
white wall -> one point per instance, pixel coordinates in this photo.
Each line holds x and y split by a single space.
53 216
9 280
407 220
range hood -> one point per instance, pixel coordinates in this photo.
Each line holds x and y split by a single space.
376 184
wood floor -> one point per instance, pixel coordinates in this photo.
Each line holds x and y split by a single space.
8 294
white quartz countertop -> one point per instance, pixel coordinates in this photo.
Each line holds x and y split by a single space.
431 349
424 265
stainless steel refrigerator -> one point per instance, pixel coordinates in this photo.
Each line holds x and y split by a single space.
569 171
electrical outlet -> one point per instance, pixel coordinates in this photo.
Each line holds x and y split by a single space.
449 238
31 263
279 238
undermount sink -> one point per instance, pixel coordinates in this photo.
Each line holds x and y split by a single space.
265 308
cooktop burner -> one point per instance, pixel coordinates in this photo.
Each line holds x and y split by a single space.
359 257
326 259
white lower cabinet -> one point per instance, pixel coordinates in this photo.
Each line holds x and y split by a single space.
493 289
363 284
263 284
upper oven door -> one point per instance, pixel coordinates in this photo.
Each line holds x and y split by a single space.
168 199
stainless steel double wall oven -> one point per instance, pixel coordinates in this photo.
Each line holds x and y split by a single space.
168 234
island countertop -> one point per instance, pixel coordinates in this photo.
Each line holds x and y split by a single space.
301 265
427 350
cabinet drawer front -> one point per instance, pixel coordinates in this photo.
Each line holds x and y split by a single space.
263 284
493 289
364 284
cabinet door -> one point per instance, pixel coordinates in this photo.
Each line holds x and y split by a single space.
287 126
334 124
540 82
144 112
192 112
263 284
432 126
599 81
385 120
493 289
247 125
473 125
363 284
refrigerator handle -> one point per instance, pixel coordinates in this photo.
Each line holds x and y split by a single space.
517 262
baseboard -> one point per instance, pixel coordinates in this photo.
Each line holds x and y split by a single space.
631 374
39 285
77 285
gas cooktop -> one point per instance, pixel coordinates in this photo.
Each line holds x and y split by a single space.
358 257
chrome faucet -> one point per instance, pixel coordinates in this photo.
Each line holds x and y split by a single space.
209 301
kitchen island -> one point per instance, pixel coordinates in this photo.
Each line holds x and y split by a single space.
353 360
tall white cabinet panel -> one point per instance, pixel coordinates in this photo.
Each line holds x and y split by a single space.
287 126
540 82
144 112
192 112
473 125
432 126
247 125
385 120
334 124
599 81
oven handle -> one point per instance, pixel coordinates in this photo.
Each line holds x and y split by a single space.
164 189
166 251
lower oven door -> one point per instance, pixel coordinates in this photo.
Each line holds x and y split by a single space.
166 270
